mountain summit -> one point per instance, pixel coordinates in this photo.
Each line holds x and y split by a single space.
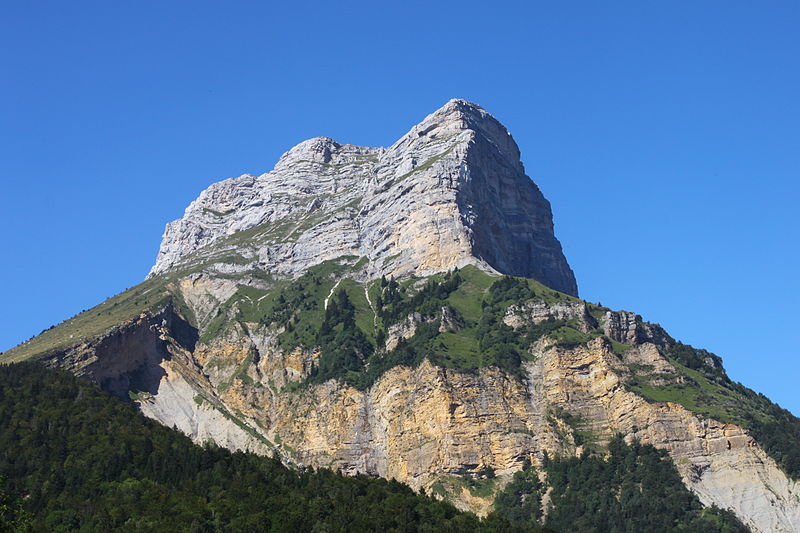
449 193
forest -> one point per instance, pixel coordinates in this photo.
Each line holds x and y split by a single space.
635 489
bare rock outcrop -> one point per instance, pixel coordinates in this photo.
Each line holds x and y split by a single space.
537 311
450 192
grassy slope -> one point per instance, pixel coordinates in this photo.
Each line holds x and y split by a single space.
147 296
700 395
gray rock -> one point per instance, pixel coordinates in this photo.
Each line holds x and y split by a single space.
450 192
622 326
628 328
537 311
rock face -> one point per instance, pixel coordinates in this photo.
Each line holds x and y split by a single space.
427 426
720 462
150 359
537 311
450 192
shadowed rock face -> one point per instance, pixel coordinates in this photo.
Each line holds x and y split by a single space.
129 357
510 220
450 192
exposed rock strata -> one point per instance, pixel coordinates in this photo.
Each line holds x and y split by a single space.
150 358
627 328
537 311
450 192
423 425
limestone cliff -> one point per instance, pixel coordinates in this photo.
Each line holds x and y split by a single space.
430 426
450 192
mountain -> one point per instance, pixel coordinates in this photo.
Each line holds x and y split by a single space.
449 193
408 313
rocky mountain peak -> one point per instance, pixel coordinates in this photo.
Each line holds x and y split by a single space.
317 149
457 116
457 109
450 192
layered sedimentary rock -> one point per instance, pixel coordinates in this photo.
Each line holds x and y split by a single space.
450 192
426 426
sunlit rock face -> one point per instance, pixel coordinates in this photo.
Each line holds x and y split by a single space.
450 192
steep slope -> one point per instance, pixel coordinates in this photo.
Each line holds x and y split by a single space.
347 310
450 192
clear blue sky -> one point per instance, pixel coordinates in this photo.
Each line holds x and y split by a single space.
665 134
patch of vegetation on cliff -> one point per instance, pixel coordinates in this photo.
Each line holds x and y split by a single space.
779 435
574 426
483 485
240 373
296 305
217 213
636 488
469 294
706 390
694 391
397 301
457 318
77 459
703 361
508 346
344 346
